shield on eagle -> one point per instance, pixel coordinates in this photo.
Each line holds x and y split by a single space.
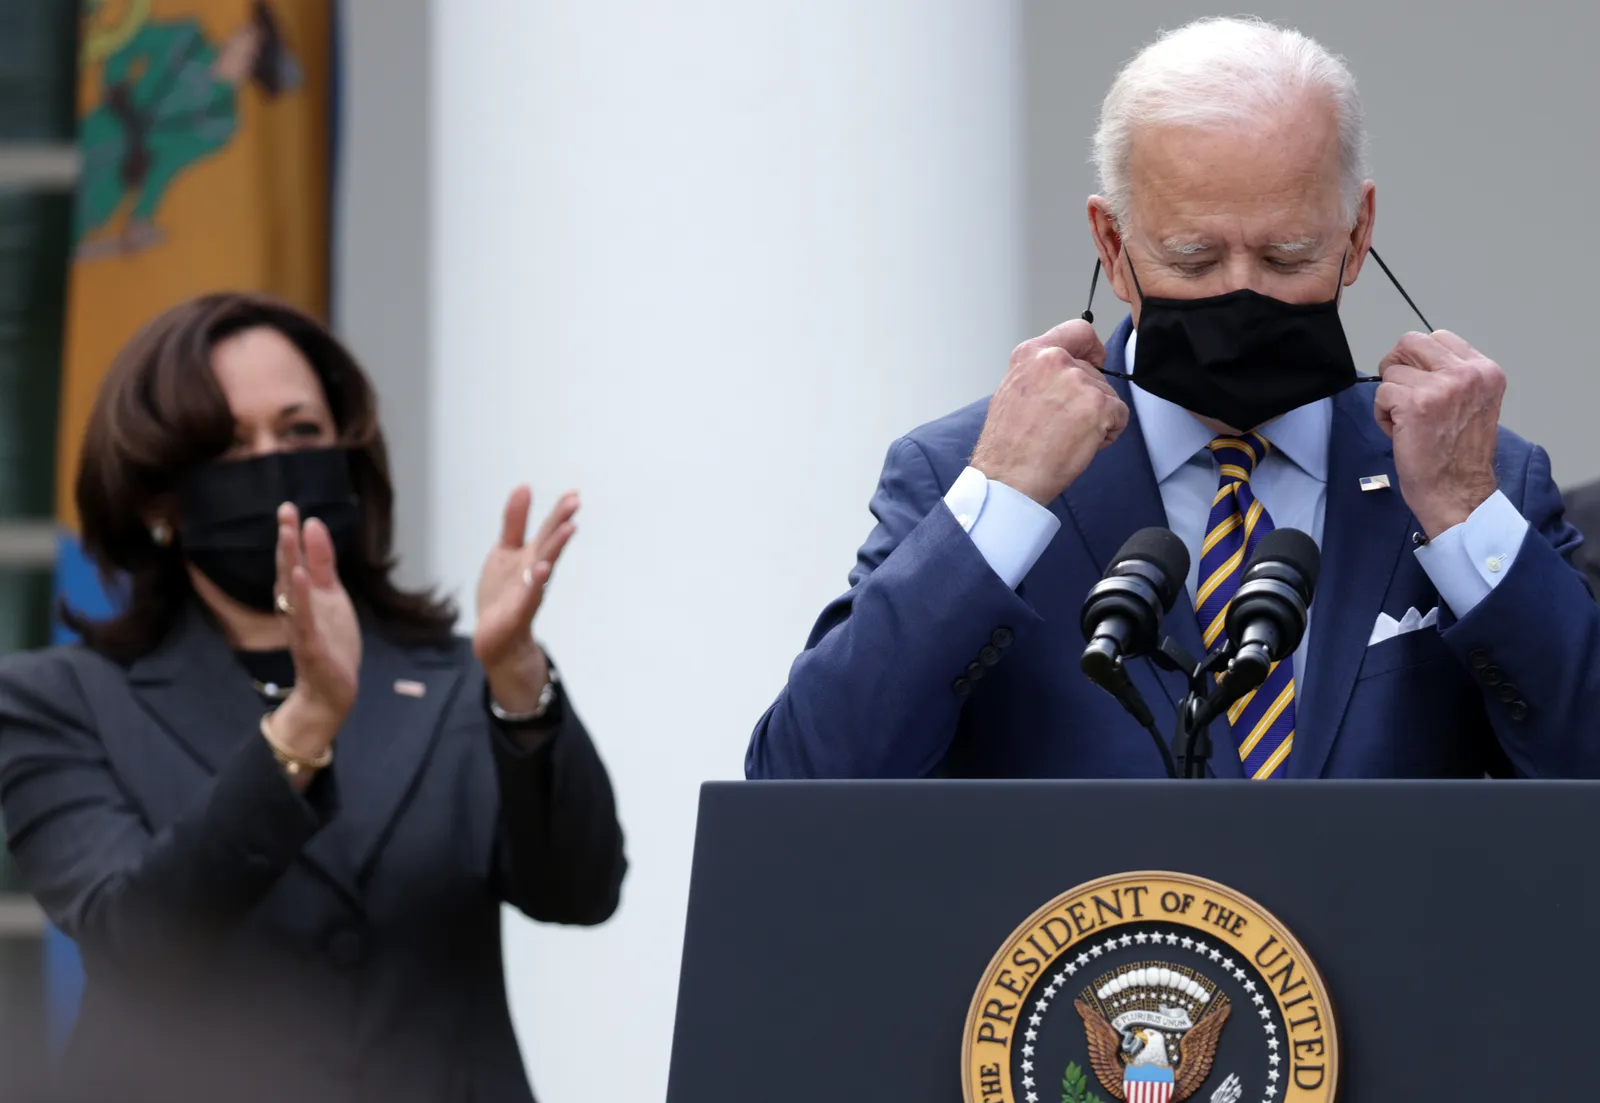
1147 1084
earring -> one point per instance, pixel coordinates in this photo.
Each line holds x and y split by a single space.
161 534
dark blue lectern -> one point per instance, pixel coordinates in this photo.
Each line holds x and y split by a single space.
837 931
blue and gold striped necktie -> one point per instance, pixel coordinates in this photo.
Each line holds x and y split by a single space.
1263 721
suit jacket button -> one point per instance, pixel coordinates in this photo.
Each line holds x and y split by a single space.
989 655
962 686
976 670
1494 675
1518 710
1508 692
1479 659
1002 637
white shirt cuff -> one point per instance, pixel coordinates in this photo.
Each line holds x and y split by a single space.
1009 529
1469 560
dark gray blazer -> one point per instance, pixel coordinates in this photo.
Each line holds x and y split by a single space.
243 942
1583 512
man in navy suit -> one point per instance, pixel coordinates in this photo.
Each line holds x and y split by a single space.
1450 635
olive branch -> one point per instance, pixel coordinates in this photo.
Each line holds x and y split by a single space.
1075 1087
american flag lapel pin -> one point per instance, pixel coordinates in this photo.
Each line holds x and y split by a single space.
405 687
1374 482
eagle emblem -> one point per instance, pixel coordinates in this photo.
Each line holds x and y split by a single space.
1151 987
1152 1031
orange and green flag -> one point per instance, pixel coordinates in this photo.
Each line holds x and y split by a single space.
204 140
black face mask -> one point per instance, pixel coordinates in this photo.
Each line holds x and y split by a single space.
228 515
1242 358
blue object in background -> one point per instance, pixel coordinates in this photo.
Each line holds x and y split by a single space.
79 584
63 988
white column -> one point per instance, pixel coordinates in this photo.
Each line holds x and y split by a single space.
382 275
703 261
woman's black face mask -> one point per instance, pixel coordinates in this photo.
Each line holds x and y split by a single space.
1242 358
228 515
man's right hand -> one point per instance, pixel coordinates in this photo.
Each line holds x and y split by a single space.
1051 413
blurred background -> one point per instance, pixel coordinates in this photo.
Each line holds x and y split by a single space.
702 261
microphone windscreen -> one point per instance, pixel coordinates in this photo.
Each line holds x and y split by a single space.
1292 548
1163 550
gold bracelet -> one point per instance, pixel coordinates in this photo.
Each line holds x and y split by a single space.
294 765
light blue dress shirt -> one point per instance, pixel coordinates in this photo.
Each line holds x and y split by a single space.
1011 530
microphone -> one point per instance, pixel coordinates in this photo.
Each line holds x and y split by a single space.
1122 614
1123 611
1267 617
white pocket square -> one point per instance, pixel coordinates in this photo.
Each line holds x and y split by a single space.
1387 628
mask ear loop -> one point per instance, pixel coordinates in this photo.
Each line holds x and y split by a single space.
1088 314
1427 325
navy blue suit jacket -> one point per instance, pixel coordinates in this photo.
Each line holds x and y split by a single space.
887 685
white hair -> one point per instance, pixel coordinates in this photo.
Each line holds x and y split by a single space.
1217 72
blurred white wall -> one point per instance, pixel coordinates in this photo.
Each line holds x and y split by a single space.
382 270
703 261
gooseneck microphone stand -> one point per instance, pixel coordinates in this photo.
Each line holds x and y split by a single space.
1214 685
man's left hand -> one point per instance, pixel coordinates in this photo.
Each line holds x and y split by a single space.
1440 404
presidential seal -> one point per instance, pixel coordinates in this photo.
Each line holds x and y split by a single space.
1150 988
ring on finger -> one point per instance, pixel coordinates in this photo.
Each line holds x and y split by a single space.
527 576
281 602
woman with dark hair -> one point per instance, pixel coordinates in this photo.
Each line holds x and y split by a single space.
274 800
